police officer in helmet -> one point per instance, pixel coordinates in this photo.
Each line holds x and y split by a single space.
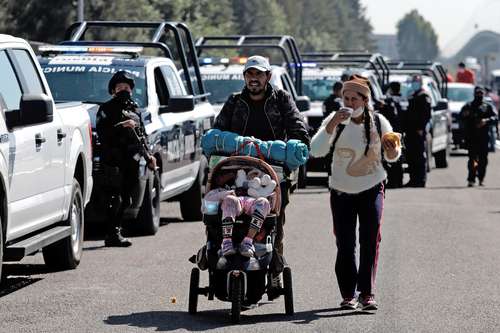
123 143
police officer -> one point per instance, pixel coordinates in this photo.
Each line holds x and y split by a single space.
392 111
477 117
266 113
334 101
418 116
122 136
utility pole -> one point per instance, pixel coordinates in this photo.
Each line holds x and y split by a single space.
80 10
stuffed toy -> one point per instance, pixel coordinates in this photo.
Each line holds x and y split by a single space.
258 184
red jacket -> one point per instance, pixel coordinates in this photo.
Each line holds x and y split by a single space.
467 76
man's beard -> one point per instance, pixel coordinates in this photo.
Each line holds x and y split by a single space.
255 90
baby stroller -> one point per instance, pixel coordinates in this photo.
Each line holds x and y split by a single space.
236 278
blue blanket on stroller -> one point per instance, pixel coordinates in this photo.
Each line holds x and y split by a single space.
293 153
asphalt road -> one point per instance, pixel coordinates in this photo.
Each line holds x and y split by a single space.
439 272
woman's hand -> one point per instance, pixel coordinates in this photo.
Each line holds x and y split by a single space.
390 147
337 118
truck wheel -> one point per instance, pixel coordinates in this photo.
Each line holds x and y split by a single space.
302 181
441 159
66 253
149 214
190 202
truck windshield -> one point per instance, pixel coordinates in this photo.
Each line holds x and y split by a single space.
221 86
89 83
460 94
318 88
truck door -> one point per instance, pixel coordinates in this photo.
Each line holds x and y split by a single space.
35 198
179 138
439 120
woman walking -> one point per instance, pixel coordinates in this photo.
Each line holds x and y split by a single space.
359 139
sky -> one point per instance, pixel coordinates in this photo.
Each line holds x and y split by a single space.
455 21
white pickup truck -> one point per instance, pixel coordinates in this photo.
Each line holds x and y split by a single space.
45 164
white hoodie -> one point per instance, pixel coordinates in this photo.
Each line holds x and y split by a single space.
352 171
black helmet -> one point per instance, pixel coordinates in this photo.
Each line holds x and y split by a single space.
120 77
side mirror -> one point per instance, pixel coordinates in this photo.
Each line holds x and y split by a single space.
303 103
442 105
33 109
179 104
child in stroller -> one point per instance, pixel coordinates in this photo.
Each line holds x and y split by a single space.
249 195
237 212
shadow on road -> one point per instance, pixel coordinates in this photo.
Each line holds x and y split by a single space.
18 276
173 320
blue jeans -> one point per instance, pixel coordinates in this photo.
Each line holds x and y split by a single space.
346 209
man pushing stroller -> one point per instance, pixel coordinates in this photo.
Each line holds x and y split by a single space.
266 113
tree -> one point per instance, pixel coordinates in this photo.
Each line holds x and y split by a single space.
40 20
259 17
417 39
4 16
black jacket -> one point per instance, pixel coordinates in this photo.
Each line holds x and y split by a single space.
418 114
284 119
330 104
118 144
471 115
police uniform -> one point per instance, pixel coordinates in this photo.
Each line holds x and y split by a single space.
418 115
121 151
331 103
476 137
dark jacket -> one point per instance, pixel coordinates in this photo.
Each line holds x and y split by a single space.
118 144
330 104
392 112
418 114
471 115
283 117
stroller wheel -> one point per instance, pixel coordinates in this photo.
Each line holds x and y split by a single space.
236 298
193 290
288 291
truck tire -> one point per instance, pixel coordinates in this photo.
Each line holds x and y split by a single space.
441 159
148 220
190 202
67 253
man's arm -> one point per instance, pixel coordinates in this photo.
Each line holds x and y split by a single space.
295 125
223 119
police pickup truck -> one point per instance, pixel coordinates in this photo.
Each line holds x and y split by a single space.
45 164
175 117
